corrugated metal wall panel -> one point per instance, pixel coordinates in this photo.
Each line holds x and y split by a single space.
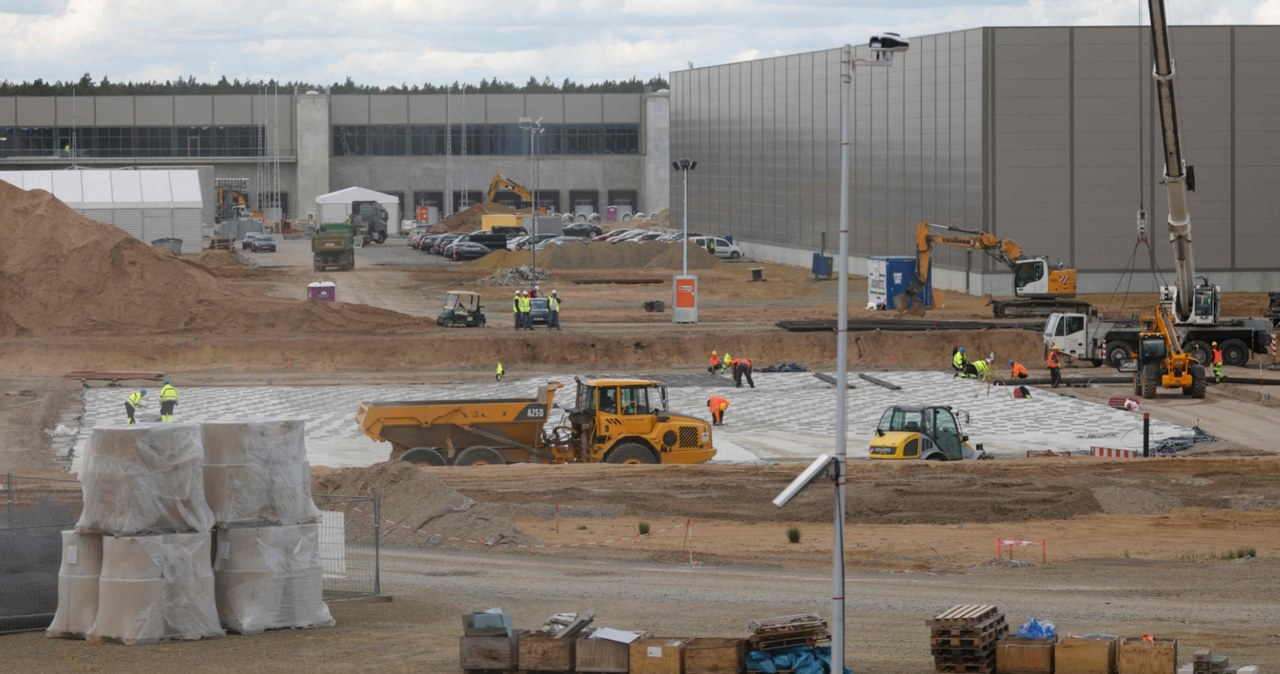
187 223
128 219
157 223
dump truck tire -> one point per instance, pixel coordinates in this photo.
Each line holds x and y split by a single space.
424 456
479 456
630 453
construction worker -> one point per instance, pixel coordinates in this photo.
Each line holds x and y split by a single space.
168 401
526 307
515 308
957 360
711 245
741 368
500 371
718 407
1217 365
533 292
1055 364
978 369
1019 372
725 360
715 363
553 311
133 402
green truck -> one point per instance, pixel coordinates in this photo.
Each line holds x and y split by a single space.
333 247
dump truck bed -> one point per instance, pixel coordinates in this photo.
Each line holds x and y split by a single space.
513 426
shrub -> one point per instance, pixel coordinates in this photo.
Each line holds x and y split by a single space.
793 534
644 528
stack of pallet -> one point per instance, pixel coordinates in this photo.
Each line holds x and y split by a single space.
963 638
137 567
788 631
267 565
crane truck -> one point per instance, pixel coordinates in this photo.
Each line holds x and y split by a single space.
1172 345
1040 287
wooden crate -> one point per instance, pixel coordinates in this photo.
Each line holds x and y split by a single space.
1016 655
602 655
711 655
653 655
1079 655
544 653
499 653
1137 656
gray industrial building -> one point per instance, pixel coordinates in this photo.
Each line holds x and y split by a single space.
1046 136
429 150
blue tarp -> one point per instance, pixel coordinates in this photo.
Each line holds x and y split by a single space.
802 660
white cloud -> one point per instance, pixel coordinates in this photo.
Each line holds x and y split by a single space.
441 41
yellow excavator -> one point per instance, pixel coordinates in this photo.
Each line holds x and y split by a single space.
1041 288
501 182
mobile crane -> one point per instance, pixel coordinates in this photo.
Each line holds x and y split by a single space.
1042 288
1176 341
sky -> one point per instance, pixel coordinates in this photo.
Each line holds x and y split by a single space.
392 42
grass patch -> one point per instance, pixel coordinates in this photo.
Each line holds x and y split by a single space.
1241 553
582 527
644 528
793 534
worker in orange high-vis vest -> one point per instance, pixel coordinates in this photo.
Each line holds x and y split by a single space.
741 368
1217 365
715 363
1019 372
718 406
1055 367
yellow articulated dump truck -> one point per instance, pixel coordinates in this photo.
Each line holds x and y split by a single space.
611 421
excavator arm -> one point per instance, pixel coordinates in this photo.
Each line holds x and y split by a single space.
501 182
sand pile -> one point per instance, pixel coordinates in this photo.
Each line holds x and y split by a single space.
63 273
469 220
601 255
660 218
226 264
420 511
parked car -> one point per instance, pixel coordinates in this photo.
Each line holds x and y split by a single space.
647 236
560 241
247 242
723 247
539 310
427 242
417 235
466 250
612 234
445 239
532 240
263 243
583 229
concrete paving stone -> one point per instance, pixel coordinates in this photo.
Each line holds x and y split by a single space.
787 417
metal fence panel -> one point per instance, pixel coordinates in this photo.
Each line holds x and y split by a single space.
36 511
350 544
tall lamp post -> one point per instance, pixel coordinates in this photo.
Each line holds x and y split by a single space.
884 47
685 287
534 127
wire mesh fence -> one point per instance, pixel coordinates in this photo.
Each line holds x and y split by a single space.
350 545
36 511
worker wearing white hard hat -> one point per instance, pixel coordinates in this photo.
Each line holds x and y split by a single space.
553 311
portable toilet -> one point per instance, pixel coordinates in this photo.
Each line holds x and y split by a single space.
323 291
889 276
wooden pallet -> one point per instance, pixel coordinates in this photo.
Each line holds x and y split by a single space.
965 615
965 668
787 623
773 642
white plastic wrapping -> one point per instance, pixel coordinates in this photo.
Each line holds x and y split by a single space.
156 588
256 473
77 585
144 478
270 578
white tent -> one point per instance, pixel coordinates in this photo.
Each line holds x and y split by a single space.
149 204
336 206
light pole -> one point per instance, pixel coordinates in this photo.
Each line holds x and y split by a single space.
884 47
685 165
535 128
684 288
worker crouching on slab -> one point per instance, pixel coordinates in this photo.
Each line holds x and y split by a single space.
718 406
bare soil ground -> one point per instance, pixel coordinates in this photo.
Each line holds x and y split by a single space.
1132 547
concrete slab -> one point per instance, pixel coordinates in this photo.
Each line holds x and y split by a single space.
787 417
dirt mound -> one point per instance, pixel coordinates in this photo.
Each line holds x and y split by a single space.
469 219
660 218
226 264
420 511
63 273
601 255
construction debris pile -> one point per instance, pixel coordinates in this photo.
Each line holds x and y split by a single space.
524 275
189 529
66 274
602 255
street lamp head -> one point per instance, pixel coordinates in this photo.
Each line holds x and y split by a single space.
684 164
889 43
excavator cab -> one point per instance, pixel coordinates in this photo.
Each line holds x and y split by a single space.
1034 278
